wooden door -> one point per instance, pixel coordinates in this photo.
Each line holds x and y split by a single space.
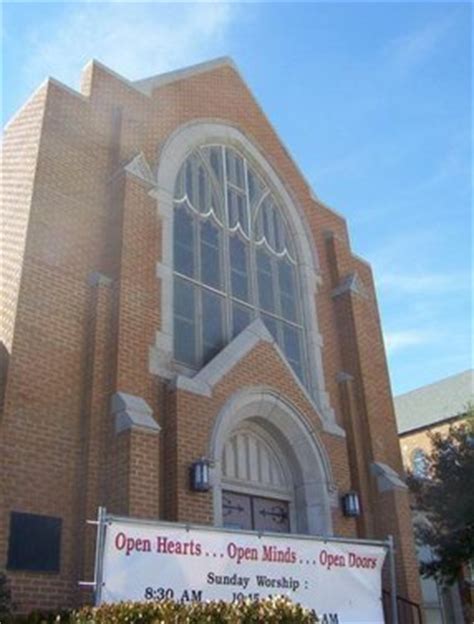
244 511
270 515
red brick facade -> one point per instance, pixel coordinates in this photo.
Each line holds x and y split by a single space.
81 305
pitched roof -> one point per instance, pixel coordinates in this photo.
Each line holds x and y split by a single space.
435 402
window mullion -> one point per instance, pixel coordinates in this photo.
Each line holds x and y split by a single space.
253 285
301 318
199 326
226 272
251 263
251 276
195 199
276 286
276 299
247 199
271 226
198 290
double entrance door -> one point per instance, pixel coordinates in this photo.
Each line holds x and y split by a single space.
255 513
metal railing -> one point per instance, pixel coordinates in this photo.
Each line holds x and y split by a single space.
409 612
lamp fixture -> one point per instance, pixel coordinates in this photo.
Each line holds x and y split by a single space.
200 475
351 504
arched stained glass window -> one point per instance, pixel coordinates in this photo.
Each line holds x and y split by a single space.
234 260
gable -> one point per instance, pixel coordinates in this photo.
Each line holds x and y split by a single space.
228 360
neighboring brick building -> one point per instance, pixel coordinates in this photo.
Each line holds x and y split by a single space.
433 409
172 289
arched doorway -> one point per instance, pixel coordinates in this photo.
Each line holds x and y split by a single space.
271 471
257 488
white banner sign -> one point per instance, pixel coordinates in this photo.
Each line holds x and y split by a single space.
340 581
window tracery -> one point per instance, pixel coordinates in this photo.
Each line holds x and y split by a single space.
234 259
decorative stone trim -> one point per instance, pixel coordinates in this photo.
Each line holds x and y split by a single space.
140 169
351 283
315 489
203 383
99 279
362 260
132 413
343 377
172 154
330 234
387 478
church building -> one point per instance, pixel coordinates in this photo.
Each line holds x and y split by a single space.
185 332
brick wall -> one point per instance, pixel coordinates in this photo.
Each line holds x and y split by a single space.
419 439
19 160
78 340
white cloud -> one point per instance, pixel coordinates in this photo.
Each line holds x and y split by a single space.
346 164
422 283
398 340
406 52
134 39
407 261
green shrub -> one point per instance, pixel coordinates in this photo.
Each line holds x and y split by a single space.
279 610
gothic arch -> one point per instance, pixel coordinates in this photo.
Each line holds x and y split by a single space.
172 154
314 492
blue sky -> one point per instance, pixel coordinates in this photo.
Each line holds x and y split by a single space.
372 99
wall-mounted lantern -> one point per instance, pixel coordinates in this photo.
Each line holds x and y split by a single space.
200 475
351 505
